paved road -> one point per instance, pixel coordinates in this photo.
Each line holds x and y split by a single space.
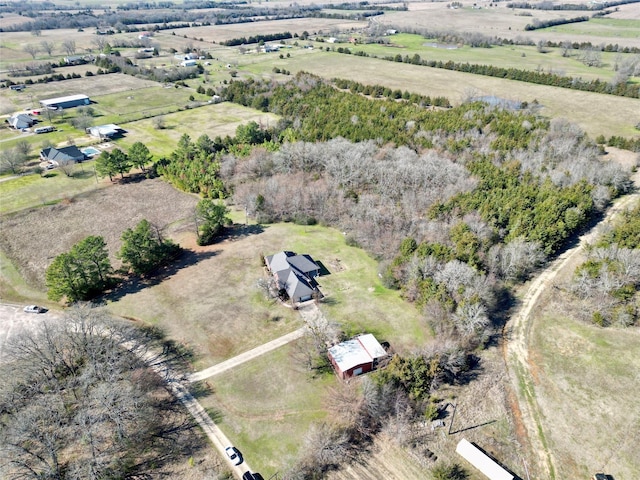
246 356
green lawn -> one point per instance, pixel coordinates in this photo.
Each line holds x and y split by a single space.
33 190
601 27
214 120
266 406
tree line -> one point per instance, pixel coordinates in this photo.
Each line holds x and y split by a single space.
270 37
539 24
624 89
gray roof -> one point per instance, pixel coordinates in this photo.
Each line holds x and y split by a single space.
63 155
21 120
303 263
297 287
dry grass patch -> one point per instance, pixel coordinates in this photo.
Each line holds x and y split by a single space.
33 238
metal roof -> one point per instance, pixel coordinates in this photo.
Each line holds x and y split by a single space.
360 350
482 461
69 98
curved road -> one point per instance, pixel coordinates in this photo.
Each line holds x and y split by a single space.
516 335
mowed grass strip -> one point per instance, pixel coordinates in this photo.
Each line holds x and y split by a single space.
595 113
266 406
587 389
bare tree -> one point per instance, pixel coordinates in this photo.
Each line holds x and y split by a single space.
31 50
100 42
47 47
69 46
11 160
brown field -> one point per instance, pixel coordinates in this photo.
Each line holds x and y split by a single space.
33 237
594 113
220 33
587 387
498 21
96 85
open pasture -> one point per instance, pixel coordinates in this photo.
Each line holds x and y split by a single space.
621 29
220 119
587 386
595 113
218 33
133 104
33 237
91 86
498 21
507 56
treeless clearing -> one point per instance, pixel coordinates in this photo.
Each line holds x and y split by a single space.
498 21
587 390
33 238
219 33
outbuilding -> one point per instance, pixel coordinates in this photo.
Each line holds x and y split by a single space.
105 131
65 102
357 356
483 462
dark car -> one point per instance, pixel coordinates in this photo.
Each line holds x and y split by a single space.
251 476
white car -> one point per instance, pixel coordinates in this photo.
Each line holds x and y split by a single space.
234 455
34 309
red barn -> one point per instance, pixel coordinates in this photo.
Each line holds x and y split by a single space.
357 356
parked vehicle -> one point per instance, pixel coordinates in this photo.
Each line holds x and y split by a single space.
48 128
251 476
34 309
234 455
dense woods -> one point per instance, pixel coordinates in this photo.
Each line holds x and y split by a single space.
78 403
607 283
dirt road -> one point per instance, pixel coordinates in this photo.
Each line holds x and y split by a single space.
516 336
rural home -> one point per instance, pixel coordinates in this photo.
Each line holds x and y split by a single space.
65 102
105 131
483 462
295 273
357 356
188 63
20 121
61 156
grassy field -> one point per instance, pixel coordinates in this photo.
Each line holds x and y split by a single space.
216 119
266 406
33 237
508 56
36 190
587 387
595 113
602 27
